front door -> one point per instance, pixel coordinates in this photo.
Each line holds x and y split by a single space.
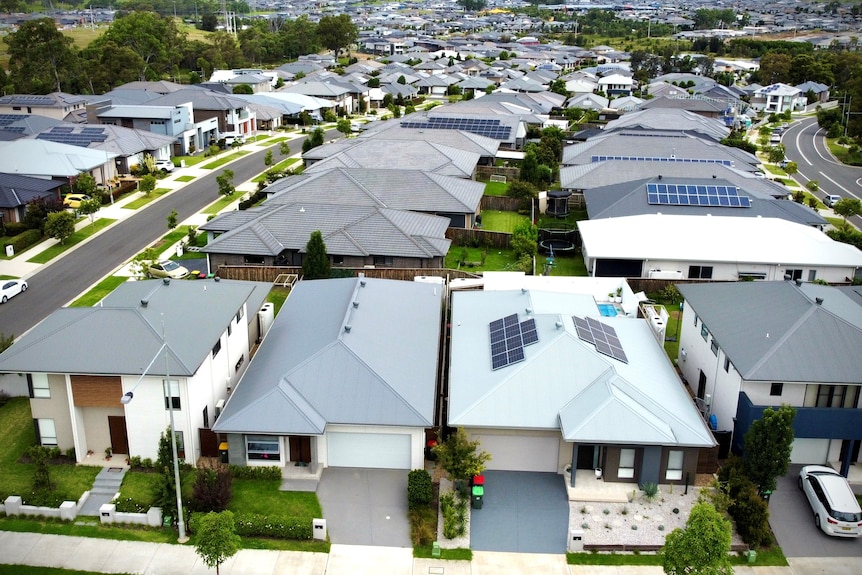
586 457
119 435
300 448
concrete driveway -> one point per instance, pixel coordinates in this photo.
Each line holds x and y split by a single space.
365 506
523 512
792 522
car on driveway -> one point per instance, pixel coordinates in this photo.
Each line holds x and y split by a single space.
165 165
11 288
836 510
167 269
74 201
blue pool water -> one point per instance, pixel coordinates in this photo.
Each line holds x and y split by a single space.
607 309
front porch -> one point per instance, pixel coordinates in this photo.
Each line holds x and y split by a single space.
297 476
588 487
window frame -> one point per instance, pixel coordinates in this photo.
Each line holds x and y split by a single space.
675 472
627 471
167 392
776 386
38 391
261 455
41 436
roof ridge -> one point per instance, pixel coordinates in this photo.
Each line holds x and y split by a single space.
360 185
781 340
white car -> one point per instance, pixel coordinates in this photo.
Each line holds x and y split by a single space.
11 288
165 165
836 510
830 201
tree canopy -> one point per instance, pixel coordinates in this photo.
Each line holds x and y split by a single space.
216 539
337 32
315 265
702 547
767 447
41 59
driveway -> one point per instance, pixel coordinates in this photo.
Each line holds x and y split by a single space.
522 512
793 524
365 506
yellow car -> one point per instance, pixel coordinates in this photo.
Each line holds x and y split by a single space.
74 200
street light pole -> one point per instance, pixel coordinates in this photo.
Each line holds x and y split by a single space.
181 525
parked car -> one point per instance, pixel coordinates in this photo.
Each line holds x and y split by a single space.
165 165
74 200
775 138
11 288
831 200
231 139
836 510
167 269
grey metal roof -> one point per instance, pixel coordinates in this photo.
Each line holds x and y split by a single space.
311 371
347 230
630 198
201 99
564 383
664 119
775 331
467 141
121 336
16 191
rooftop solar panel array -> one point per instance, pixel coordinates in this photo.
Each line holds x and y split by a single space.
603 336
67 135
696 195
6 119
482 127
595 159
30 100
508 338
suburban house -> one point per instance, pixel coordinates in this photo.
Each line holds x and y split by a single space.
57 105
18 191
232 114
184 344
718 248
778 98
746 346
486 147
547 380
52 160
339 95
346 377
616 85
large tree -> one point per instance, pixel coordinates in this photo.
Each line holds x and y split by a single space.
41 59
60 226
847 208
702 547
767 447
315 265
154 39
216 538
337 32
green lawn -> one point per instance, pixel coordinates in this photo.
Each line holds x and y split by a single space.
568 265
264 497
190 160
98 293
76 238
496 188
16 429
89 527
146 199
460 554
772 557
221 203
224 160
497 221
185 178
282 165
168 239
495 259
28 570
276 296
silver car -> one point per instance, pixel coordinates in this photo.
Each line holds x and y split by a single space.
836 510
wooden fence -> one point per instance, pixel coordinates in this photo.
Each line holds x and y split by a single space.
478 238
269 273
502 203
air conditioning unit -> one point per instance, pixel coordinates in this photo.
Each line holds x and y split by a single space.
219 408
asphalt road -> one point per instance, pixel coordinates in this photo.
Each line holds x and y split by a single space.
806 145
58 283
792 523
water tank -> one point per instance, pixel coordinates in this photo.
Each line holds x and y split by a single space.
265 317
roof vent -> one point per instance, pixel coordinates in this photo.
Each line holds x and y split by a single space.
362 283
355 304
798 281
523 290
659 176
145 302
559 324
819 300
713 176
216 279
529 310
166 281
347 328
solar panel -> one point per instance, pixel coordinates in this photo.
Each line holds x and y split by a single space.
602 335
483 127
61 130
696 195
508 338
595 159
529 334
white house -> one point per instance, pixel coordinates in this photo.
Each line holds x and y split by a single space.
778 98
616 85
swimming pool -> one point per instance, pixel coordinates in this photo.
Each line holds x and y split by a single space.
607 309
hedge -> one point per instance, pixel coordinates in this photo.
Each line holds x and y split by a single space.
253 472
15 228
24 240
254 525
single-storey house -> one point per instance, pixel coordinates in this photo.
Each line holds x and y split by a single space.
18 191
346 377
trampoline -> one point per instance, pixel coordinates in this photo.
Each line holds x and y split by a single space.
558 203
556 246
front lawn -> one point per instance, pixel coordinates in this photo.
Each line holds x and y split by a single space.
76 238
88 527
224 160
222 203
29 570
263 497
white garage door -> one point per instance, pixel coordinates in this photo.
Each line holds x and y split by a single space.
374 450
808 451
520 452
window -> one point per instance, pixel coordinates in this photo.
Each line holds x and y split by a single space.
695 320
262 448
239 362
229 329
338 260
46 432
793 275
713 345
383 261
726 363
172 394
812 275
239 314
206 417
627 464
256 260
37 383
704 333
700 272
776 389
181 445
674 465
837 396
217 348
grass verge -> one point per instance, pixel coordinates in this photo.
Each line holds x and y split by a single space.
222 203
30 570
772 557
282 165
224 160
99 291
460 554
146 199
76 238
88 527
185 178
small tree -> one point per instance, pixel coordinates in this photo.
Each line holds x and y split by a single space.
524 191
267 158
460 457
525 238
813 185
147 184
791 168
767 447
776 153
847 208
702 547
216 538
142 261
315 265
84 184
212 489
60 226
284 149
343 126
90 207
41 472
6 341
172 219
225 183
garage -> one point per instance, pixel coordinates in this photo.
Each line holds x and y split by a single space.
809 450
521 452
372 450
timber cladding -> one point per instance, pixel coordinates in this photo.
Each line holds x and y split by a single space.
97 390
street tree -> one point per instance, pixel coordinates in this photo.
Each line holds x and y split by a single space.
343 126
90 207
172 219
147 184
314 140
284 148
776 153
267 158
702 547
225 183
337 33
791 168
767 446
460 457
142 261
60 225
216 539
315 265
41 59
847 208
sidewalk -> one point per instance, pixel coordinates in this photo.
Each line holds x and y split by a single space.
111 556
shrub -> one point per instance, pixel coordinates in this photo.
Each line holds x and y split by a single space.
212 489
420 489
129 505
750 511
423 525
650 491
135 461
24 240
43 498
454 511
15 228
147 463
254 525
269 472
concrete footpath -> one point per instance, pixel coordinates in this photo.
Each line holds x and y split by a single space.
111 556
